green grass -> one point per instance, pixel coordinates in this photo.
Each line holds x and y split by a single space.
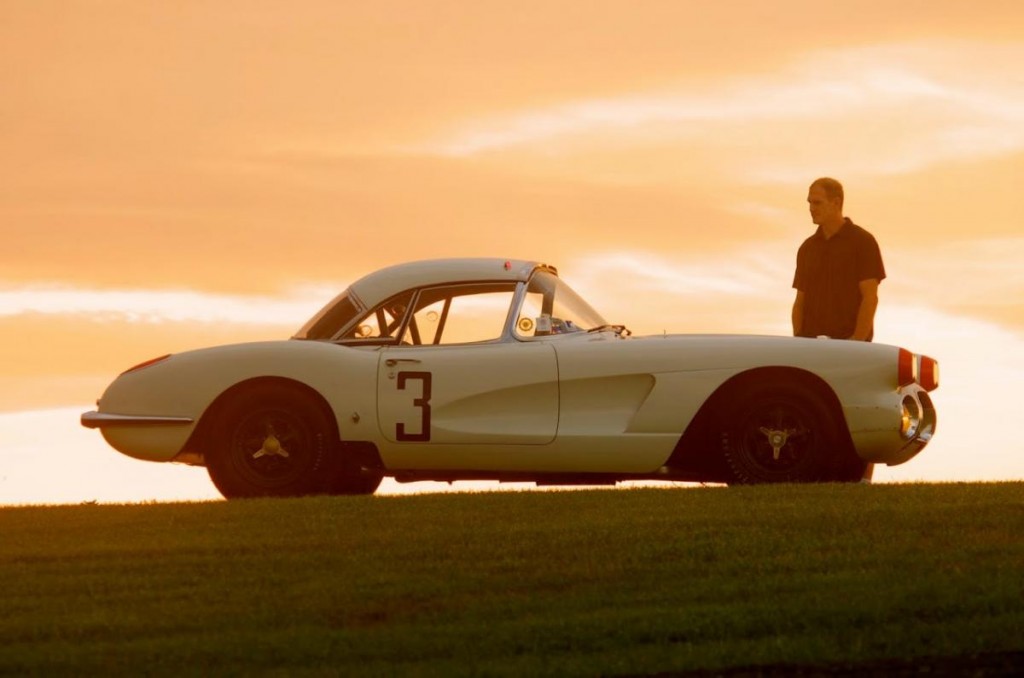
539 583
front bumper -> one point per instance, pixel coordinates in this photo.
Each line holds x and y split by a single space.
103 420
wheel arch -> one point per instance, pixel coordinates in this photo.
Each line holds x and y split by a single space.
789 376
698 448
203 436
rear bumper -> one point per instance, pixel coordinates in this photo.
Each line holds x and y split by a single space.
877 433
104 420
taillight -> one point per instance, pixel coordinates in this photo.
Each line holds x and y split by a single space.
929 373
907 368
147 363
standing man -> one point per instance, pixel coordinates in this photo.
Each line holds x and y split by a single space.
838 270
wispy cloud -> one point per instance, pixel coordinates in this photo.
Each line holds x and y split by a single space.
742 291
915 104
989 275
748 289
157 306
745 274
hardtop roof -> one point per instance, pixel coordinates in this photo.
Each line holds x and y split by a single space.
386 282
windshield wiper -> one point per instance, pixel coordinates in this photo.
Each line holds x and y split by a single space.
620 330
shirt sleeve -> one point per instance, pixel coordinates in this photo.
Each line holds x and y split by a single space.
869 260
800 276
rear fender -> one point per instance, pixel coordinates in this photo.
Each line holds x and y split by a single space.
699 448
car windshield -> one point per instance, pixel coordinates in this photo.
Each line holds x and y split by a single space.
550 306
328 322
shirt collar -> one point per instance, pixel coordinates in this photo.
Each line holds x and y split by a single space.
843 231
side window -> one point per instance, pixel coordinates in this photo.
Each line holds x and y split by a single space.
552 307
383 322
532 309
461 314
331 318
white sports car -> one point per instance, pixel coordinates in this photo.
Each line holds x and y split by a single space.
491 369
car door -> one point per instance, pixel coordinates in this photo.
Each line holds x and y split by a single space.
458 382
485 394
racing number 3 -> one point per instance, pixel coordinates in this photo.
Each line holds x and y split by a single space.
423 402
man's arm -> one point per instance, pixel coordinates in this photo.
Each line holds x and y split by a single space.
866 312
798 313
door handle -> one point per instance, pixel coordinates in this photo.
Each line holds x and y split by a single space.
391 362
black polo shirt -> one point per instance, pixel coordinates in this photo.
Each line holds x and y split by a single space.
829 272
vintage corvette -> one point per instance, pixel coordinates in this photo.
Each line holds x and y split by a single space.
462 369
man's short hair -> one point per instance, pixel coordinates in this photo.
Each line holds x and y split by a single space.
833 189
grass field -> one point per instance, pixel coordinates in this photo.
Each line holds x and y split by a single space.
627 582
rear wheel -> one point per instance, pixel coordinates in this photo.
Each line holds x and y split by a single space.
780 434
272 441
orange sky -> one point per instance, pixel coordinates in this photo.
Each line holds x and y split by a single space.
194 173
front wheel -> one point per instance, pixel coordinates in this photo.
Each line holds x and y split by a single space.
355 482
780 434
272 442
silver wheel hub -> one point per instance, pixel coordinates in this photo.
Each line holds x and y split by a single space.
777 438
271 447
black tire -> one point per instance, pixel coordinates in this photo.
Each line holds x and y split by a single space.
272 441
850 468
780 434
354 482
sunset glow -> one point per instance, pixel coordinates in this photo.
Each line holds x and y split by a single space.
185 175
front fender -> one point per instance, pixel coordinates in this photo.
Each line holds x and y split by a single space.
183 387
